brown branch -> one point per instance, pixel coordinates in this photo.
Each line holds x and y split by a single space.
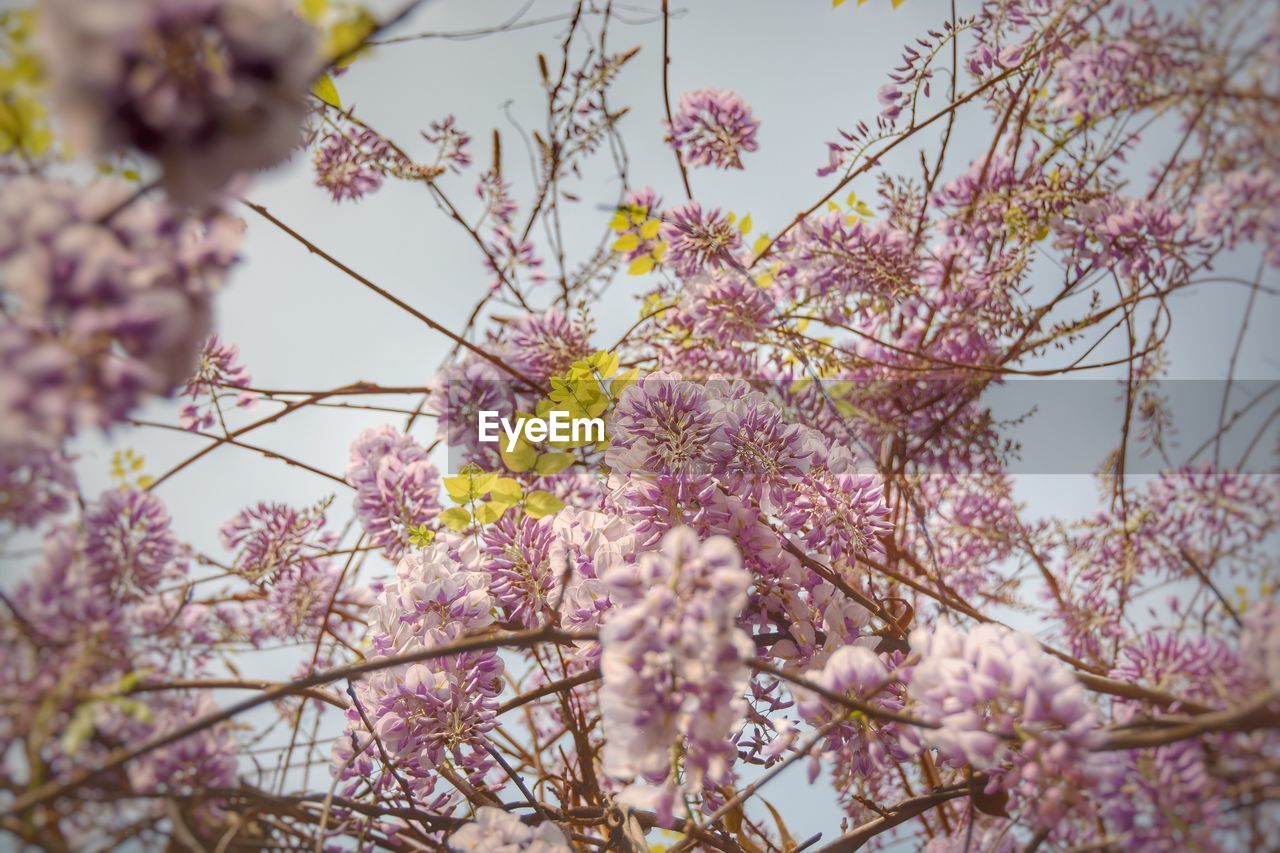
395 300
514 639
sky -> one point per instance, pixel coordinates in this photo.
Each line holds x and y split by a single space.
806 69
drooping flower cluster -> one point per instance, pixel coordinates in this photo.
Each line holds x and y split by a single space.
698 239
273 540
545 345
861 749
674 669
452 142
350 163
498 831
218 371
209 89
998 697
35 482
1243 207
129 545
397 486
442 707
841 262
713 127
112 306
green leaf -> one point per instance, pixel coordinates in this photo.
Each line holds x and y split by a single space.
324 89
541 503
553 463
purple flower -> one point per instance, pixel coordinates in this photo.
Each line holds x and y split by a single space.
760 455
452 141
674 669
712 128
698 240
437 596
860 745
350 163
662 425
299 600
1243 207
204 760
36 482
128 543
458 393
844 262
842 514
208 88
728 308
444 707
218 369
545 345
109 309
273 539
999 698
522 579
397 486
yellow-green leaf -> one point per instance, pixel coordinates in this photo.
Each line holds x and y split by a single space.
490 511
745 225
482 484
650 228
459 488
507 491
324 89
641 265
541 503
620 384
313 10
553 463
626 243
79 730
455 518
521 459
607 364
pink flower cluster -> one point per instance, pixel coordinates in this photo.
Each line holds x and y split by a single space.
713 127
397 486
210 89
674 669
112 306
